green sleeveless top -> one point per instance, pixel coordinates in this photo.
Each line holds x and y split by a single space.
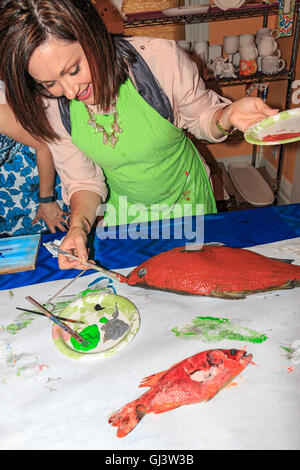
153 172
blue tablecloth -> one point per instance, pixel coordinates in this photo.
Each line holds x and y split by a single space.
240 229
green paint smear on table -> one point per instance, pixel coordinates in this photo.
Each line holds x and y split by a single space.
21 323
91 334
211 329
291 352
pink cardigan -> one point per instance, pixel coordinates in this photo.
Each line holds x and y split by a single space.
193 106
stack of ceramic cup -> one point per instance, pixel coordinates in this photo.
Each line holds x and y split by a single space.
248 54
207 53
268 61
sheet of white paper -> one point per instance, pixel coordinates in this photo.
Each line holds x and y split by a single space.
50 401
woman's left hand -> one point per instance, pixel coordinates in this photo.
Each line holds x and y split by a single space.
53 215
245 112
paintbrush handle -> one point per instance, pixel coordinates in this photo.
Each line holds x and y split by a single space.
59 323
118 277
65 287
60 318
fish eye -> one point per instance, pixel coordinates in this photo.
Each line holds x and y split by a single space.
141 272
233 352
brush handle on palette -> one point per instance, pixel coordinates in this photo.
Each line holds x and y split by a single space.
118 277
61 324
43 315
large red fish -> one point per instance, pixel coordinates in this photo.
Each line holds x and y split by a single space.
216 271
195 379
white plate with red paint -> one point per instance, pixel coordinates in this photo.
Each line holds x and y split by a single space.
283 128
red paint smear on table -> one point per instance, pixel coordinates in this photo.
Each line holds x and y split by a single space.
284 136
41 367
289 369
232 384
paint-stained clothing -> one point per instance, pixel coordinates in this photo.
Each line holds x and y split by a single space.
193 107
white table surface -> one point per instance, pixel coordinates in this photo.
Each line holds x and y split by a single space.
50 401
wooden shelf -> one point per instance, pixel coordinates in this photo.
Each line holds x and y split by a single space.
243 80
155 18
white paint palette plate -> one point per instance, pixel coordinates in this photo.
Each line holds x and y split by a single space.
110 324
283 128
186 10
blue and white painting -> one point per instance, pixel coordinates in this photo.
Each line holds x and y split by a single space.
18 253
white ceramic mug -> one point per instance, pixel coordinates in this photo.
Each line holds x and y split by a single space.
214 51
226 4
186 45
259 60
236 59
264 32
231 44
248 51
271 65
267 46
201 50
246 39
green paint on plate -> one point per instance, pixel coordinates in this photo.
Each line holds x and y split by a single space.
212 329
103 320
90 333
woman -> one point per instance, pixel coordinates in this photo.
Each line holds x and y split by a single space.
137 94
48 210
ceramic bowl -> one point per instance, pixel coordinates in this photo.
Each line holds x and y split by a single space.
226 4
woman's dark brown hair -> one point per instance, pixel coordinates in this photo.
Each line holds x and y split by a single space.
27 24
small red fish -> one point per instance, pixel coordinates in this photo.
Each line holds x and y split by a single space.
195 379
216 271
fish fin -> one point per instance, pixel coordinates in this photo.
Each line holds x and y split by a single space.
215 244
127 417
291 284
199 247
282 260
227 294
151 380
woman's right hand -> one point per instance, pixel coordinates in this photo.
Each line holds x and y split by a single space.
74 243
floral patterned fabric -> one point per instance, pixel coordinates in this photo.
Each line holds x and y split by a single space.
19 187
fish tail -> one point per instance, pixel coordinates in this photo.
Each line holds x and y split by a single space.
127 417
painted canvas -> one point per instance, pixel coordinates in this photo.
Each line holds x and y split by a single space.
18 253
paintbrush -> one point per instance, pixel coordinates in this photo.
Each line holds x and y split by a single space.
59 323
64 287
60 318
118 277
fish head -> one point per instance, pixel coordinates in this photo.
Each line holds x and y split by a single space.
137 276
228 357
